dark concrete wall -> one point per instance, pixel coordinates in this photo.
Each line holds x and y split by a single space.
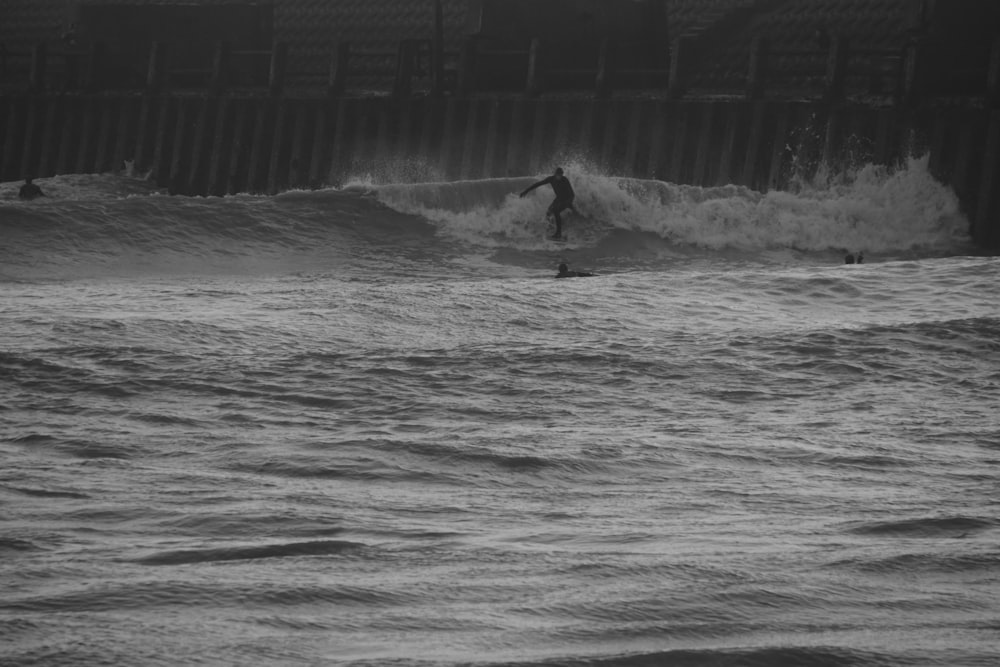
220 145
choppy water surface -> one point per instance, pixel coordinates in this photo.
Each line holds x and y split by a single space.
366 426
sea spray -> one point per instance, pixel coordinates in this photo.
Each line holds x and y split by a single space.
873 208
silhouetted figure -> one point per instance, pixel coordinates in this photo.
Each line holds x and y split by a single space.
564 272
850 258
29 190
564 197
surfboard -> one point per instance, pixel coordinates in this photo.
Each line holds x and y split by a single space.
550 229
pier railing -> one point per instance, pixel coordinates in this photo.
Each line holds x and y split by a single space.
415 66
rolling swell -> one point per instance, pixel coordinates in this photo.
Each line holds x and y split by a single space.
157 233
98 230
929 527
289 550
778 656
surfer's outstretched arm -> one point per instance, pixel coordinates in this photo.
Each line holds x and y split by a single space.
544 181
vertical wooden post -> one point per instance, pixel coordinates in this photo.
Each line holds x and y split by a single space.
488 167
705 137
39 63
236 177
468 168
757 72
405 55
220 69
340 150
986 229
538 132
9 141
836 69
8 144
88 133
563 117
102 151
437 51
609 143
155 74
93 78
199 171
656 139
28 152
276 180
677 142
430 130
125 134
779 148
754 146
887 123
340 69
278 70
961 174
587 122
161 143
144 131
384 134
216 182
50 137
733 112
533 85
261 129
66 158
467 65
831 140
602 84
297 173
911 73
405 128
675 86
452 118
516 138
320 138
940 142
179 149
633 138
993 76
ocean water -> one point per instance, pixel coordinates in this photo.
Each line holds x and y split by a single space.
365 426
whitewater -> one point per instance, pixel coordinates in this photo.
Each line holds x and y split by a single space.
365 425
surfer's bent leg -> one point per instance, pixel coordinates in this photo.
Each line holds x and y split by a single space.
553 212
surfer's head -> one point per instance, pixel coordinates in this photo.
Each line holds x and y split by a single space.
563 268
559 171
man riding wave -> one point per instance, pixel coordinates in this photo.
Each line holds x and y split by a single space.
564 197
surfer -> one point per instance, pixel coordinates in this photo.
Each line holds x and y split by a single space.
564 197
29 190
564 272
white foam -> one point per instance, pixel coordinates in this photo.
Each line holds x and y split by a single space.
873 208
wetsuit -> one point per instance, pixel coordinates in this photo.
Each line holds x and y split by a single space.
30 191
564 272
564 197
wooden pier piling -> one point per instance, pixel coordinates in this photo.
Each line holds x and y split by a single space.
217 145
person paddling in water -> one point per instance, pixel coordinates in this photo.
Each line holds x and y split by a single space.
564 197
564 272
